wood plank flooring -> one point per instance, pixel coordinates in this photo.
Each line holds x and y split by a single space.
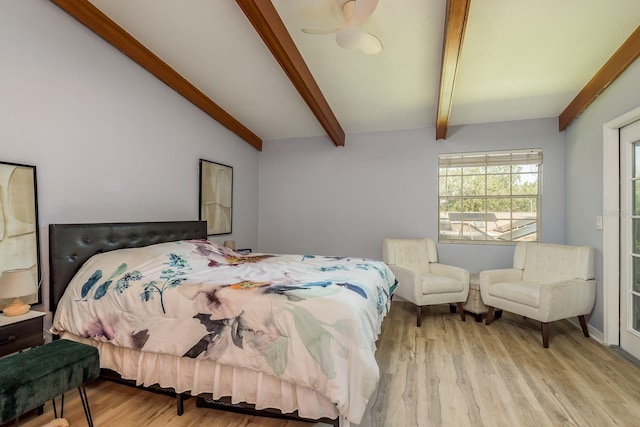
446 373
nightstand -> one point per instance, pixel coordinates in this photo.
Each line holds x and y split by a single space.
20 332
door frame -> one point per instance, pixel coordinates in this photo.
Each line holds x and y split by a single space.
611 225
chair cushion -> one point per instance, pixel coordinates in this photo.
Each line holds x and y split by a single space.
433 284
526 293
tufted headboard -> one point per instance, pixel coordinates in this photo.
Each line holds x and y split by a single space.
70 245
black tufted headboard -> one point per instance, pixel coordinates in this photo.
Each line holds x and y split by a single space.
70 245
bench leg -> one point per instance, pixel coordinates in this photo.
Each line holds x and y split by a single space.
85 404
55 412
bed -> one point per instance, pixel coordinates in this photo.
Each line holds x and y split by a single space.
165 307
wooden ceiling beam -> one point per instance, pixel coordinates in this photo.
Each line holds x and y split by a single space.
266 21
99 23
610 71
455 26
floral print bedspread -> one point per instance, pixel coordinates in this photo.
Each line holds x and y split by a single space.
309 320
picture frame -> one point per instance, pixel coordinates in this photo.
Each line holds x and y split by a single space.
19 228
216 197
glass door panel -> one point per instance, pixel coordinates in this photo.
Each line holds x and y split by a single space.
630 239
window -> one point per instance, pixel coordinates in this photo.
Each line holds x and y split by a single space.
491 197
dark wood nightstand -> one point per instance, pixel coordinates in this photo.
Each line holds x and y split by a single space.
20 332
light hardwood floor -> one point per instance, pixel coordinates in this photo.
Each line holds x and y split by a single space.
446 373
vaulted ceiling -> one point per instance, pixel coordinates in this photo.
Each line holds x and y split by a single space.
248 64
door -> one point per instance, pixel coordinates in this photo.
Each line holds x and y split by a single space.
630 239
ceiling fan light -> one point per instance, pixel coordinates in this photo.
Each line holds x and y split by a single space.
371 45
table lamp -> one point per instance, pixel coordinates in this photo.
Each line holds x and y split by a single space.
16 284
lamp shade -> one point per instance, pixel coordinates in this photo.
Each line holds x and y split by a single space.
17 283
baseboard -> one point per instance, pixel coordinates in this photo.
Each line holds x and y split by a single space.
627 355
593 332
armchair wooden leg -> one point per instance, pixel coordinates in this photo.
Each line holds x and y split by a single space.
583 323
418 315
461 310
489 316
545 334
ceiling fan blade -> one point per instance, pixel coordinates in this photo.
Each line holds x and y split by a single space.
362 10
320 30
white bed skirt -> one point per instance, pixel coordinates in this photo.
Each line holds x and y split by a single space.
204 376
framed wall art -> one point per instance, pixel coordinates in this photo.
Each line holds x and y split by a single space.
216 196
19 237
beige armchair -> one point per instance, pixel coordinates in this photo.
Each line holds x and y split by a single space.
421 279
547 283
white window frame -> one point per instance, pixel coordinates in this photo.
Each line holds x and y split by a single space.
485 227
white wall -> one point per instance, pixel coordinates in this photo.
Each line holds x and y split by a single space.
110 141
319 199
584 139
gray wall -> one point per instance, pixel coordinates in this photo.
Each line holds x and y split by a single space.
584 146
316 198
109 140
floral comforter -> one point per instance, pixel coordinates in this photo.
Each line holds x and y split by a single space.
309 320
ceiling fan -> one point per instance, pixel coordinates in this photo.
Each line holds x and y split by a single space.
350 35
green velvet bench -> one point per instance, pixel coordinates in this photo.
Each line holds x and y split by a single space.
31 378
